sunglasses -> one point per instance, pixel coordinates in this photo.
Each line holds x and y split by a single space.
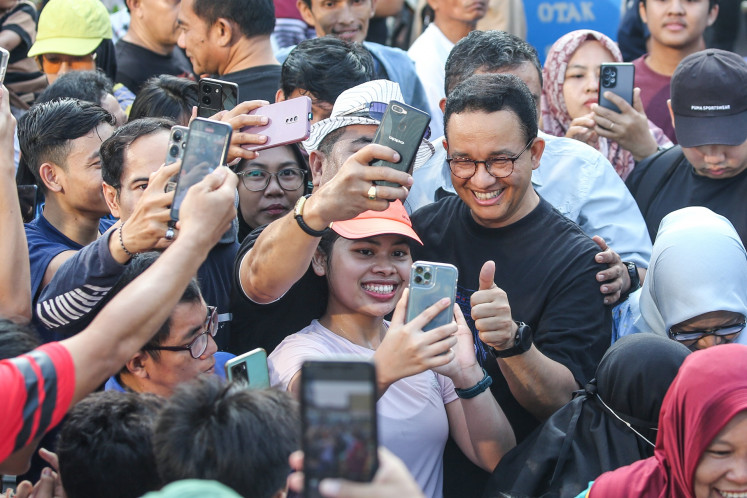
376 110
696 335
52 63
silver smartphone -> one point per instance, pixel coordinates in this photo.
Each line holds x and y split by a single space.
618 78
177 143
429 283
4 57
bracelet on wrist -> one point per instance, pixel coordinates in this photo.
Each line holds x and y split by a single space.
298 214
121 241
478 388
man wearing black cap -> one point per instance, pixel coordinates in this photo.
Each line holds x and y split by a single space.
709 167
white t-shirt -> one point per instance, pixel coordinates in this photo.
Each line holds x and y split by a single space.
411 414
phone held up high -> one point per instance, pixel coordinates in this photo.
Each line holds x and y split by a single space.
177 143
4 57
250 369
338 409
429 283
216 96
288 122
205 151
402 128
618 78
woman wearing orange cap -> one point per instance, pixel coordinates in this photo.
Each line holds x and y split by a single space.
367 261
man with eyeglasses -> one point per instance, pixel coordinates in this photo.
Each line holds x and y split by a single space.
183 348
518 259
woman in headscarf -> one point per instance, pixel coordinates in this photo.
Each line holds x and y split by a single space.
701 448
611 423
569 102
696 287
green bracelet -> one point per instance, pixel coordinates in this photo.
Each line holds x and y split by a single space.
478 388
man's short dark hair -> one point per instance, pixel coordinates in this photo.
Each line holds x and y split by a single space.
105 446
89 86
254 18
165 96
113 149
325 67
16 339
46 130
490 93
489 52
225 432
137 267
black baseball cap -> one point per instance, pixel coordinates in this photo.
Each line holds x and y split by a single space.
709 99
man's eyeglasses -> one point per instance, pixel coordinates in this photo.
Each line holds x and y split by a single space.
498 167
375 110
258 179
696 335
52 63
199 344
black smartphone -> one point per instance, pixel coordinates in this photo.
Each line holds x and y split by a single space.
27 197
402 128
338 408
216 96
618 78
206 150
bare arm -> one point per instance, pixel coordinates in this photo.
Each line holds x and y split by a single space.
541 385
9 39
283 252
15 275
134 315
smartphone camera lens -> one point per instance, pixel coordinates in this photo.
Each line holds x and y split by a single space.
427 275
418 279
177 135
206 89
206 100
418 269
174 151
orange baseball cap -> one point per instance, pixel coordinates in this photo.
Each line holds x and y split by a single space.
393 220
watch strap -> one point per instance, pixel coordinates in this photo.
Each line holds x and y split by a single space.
522 342
298 214
478 388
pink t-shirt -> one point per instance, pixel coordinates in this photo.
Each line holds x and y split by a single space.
412 418
655 92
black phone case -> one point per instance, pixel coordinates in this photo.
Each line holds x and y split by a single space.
216 96
402 128
618 78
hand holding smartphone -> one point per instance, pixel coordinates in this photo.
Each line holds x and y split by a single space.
205 151
618 78
4 57
338 408
402 128
429 283
288 122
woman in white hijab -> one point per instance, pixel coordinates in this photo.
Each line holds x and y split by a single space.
695 290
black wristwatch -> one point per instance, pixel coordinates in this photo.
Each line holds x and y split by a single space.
635 280
298 214
522 342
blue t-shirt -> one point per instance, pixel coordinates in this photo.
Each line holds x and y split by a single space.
45 242
220 361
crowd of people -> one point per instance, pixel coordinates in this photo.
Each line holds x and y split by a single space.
596 345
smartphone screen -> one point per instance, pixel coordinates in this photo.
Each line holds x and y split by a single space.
249 369
4 57
206 150
402 128
618 78
216 96
338 405
288 122
430 282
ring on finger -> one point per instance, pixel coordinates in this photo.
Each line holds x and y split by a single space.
612 125
170 234
372 193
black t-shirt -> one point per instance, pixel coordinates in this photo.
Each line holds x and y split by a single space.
256 83
266 325
135 64
667 181
545 263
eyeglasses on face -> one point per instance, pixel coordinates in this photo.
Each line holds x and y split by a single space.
695 335
52 63
256 180
199 344
375 110
497 167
